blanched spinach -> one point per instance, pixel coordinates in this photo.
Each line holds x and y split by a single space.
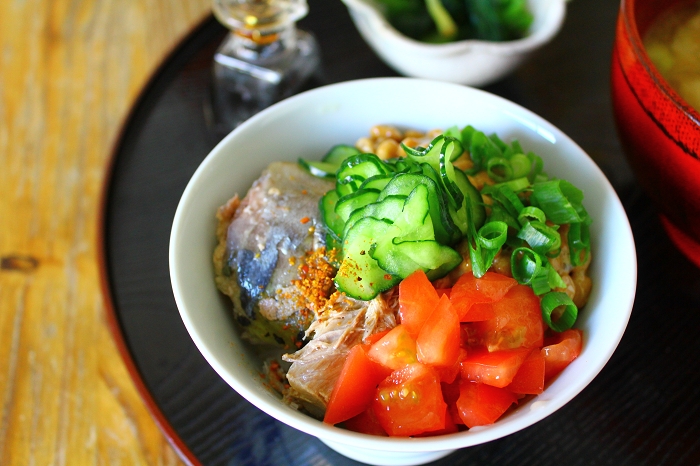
431 20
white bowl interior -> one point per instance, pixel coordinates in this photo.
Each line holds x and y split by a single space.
307 125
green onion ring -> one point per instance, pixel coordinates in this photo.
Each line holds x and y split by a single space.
525 264
553 301
531 213
499 169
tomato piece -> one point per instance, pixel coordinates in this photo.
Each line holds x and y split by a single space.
365 423
450 428
480 404
450 393
560 351
375 337
443 291
496 369
495 285
356 386
417 300
471 296
448 374
438 341
394 350
529 380
479 312
409 402
517 322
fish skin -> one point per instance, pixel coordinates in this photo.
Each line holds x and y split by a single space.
278 220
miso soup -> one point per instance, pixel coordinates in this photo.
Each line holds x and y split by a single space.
673 45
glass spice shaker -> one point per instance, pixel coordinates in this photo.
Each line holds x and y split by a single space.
263 59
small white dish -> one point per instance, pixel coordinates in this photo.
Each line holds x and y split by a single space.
306 126
470 62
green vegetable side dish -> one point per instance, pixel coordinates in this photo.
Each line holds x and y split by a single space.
389 218
438 21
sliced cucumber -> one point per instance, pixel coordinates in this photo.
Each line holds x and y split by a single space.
348 204
338 153
327 206
359 275
387 209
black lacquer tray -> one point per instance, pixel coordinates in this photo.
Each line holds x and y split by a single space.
642 409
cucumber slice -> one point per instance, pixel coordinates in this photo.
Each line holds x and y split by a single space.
348 204
319 169
326 205
362 166
376 182
338 153
404 258
387 209
413 226
475 204
405 183
329 165
359 275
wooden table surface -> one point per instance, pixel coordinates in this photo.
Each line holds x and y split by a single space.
69 72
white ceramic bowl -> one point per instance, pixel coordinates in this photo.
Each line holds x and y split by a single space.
471 62
308 125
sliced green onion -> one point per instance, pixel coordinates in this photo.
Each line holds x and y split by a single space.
525 264
540 282
499 169
561 201
521 165
529 214
555 280
517 148
537 166
579 243
541 238
517 184
481 149
493 235
499 213
558 311
498 141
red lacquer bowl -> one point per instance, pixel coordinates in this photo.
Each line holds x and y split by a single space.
659 131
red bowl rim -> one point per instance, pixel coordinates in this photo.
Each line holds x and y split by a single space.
627 10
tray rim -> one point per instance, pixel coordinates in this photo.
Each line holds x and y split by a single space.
113 322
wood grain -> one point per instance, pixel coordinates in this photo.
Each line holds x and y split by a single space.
69 72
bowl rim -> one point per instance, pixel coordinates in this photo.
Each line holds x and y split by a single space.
629 21
317 428
552 23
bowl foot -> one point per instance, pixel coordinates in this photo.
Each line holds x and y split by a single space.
387 458
689 247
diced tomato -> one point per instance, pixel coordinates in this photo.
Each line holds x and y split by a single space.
375 337
529 380
493 368
517 322
365 423
494 285
356 386
448 374
480 404
560 351
409 402
443 291
394 350
450 393
438 341
417 300
450 428
471 296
